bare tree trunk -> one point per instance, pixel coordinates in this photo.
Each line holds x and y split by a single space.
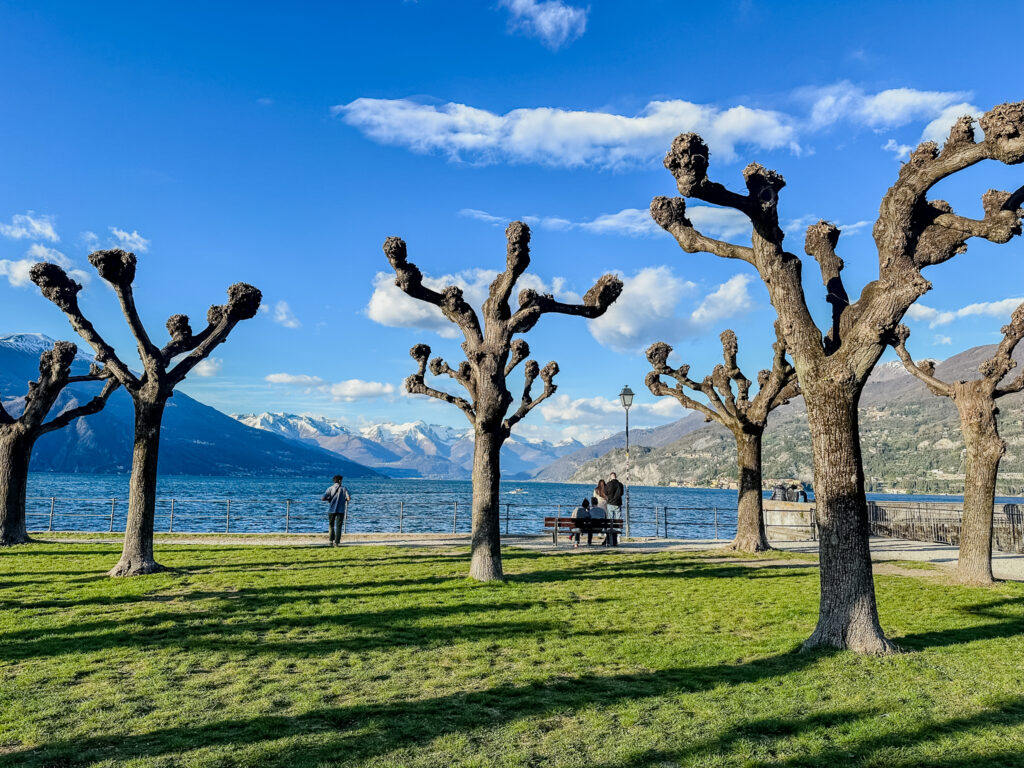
137 555
848 615
984 450
750 532
15 452
486 559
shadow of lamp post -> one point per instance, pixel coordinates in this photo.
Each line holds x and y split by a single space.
626 396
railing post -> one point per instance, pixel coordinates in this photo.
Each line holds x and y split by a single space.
50 526
112 503
287 515
227 518
506 519
666 522
455 517
656 520
401 516
716 523
170 528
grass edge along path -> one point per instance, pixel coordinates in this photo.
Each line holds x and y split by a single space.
297 656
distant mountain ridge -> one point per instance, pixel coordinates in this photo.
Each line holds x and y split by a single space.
910 439
415 449
195 439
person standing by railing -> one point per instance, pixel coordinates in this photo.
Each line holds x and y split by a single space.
339 497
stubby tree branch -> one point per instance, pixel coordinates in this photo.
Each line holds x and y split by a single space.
117 267
925 370
95 405
416 385
595 303
527 404
243 304
820 242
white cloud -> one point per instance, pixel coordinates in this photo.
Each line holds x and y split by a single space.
29 226
209 367
731 298
341 391
649 309
283 315
801 224
357 389
886 109
572 138
389 306
1001 309
631 222
133 241
646 311
553 22
291 378
901 151
17 271
591 418
940 339
564 138
90 240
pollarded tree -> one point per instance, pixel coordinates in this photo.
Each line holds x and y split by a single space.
911 233
491 355
18 435
162 372
742 415
975 402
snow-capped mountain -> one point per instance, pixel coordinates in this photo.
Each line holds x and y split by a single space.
37 343
414 449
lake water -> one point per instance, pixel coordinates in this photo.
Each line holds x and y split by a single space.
78 502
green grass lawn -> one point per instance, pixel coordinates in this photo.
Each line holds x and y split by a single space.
388 656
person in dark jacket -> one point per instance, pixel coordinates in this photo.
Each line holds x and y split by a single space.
582 512
339 497
614 490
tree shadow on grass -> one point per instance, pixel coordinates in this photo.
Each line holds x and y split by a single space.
363 732
220 630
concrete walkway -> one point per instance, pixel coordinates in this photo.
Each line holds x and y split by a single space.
1005 565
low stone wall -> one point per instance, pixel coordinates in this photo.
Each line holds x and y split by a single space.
789 520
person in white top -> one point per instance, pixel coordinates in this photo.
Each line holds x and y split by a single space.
339 497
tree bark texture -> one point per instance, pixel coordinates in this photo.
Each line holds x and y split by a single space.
848 615
750 530
485 564
15 452
911 232
984 450
491 355
137 555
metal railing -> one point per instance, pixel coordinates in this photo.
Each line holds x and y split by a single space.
237 515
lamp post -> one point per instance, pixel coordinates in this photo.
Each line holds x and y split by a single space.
626 397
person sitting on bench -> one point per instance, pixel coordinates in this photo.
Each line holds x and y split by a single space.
582 512
597 512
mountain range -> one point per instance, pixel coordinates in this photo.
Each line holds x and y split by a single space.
195 439
910 440
416 449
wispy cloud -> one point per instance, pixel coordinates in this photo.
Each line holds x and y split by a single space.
901 151
630 222
347 391
30 226
133 241
553 22
283 315
208 368
1001 309
17 270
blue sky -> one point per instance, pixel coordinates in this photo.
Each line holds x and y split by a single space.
280 146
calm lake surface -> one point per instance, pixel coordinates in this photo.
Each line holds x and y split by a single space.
80 502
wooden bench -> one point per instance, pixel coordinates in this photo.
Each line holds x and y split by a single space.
608 526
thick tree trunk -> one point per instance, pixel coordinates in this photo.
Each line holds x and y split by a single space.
847 613
486 559
750 532
137 555
15 453
984 450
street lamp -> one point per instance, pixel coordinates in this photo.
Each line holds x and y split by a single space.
626 397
